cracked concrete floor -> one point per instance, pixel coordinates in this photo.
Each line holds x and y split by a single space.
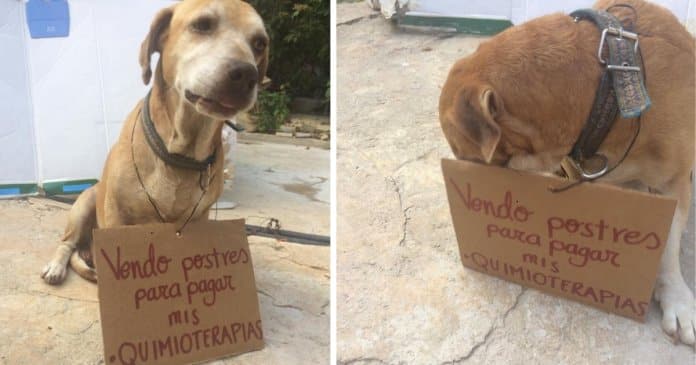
42 324
403 296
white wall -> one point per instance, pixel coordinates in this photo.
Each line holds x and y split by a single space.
17 152
63 100
84 85
517 11
540 7
691 17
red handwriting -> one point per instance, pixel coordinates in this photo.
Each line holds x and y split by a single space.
131 353
513 234
598 229
581 255
155 293
207 288
503 210
585 229
580 290
135 269
182 317
210 287
213 260
540 261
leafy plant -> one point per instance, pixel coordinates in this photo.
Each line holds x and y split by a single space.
300 44
272 109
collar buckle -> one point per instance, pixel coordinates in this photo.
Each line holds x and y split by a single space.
574 170
621 33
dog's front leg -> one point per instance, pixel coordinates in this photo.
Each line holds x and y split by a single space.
54 272
81 221
675 297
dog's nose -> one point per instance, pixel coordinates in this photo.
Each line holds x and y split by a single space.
243 75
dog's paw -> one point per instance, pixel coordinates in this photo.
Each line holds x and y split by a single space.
54 273
678 310
90 275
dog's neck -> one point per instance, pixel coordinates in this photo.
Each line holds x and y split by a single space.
181 127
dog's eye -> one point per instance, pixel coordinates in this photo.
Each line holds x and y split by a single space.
203 25
259 44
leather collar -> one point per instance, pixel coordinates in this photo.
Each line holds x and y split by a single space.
158 147
621 89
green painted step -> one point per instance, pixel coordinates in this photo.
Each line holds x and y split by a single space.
67 187
11 190
480 26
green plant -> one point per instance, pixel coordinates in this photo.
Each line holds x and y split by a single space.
272 109
300 44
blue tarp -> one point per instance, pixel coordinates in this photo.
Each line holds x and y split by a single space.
48 18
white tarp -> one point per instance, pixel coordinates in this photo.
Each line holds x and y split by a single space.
17 147
63 100
516 11
84 85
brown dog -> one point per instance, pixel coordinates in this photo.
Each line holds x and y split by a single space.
213 56
522 99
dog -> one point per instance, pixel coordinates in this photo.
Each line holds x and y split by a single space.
522 99
213 56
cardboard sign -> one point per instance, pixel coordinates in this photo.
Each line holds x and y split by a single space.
596 244
168 299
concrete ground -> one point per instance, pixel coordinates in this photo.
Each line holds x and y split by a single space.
403 296
42 324
285 181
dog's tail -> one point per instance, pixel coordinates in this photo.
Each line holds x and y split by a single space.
81 267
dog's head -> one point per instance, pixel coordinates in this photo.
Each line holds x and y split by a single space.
475 120
214 53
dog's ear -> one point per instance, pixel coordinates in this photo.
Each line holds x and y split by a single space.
262 66
153 41
475 114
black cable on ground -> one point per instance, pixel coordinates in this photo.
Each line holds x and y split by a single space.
251 230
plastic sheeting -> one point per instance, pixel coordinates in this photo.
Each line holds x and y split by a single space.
17 143
516 11
63 100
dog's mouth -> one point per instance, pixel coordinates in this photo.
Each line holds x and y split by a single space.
209 104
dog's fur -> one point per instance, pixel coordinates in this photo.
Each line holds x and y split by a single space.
522 98
203 45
